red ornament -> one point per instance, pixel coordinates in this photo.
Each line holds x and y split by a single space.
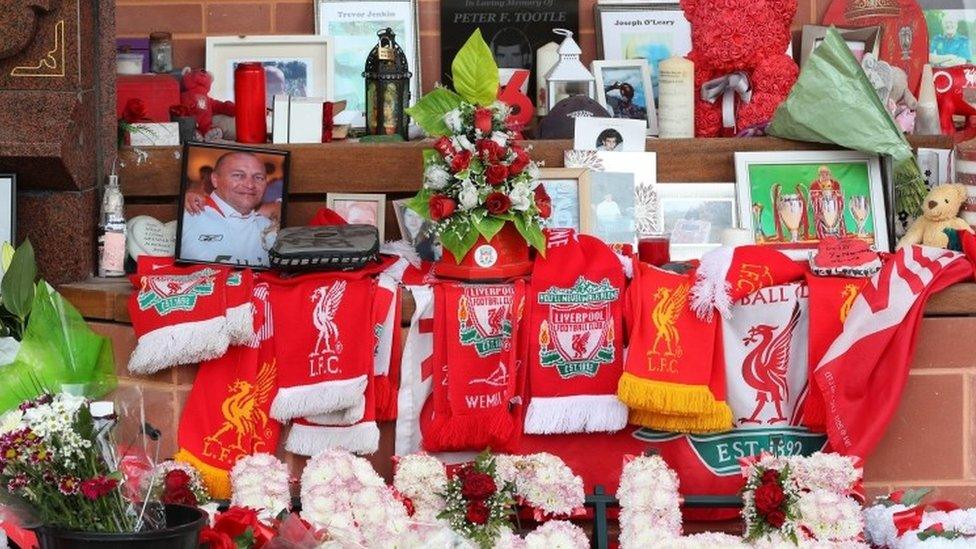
950 88
520 104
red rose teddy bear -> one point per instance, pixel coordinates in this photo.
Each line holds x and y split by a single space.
739 51
196 97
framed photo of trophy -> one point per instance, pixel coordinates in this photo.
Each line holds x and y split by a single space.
791 200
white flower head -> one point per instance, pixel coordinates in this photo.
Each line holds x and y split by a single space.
521 197
500 137
454 121
468 197
436 176
461 142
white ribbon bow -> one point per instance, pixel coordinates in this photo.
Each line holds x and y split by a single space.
728 86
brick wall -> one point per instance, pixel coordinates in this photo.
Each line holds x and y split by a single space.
191 21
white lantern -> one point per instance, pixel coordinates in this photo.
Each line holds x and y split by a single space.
569 76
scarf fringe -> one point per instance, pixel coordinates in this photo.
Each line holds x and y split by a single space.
215 479
350 416
712 289
660 397
575 414
716 422
309 440
186 343
240 323
451 433
386 398
319 398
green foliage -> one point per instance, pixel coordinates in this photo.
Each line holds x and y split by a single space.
475 72
429 111
459 237
17 291
531 232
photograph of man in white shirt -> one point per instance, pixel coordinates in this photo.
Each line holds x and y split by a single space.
228 226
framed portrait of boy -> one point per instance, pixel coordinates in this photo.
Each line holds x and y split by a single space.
567 189
232 204
360 209
792 200
624 89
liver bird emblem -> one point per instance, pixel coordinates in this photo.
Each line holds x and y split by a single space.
327 300
244 410
670 303
765 367
849 293
495 320
579 344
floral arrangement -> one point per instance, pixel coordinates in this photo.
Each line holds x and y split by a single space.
260 481
477 178
545 482
478 507
243 528
343 494
649 502
901 521
175 482
420 480
50 459
557 534
802 499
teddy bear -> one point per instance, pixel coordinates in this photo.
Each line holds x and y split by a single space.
891 83
196 97
751 36
939 210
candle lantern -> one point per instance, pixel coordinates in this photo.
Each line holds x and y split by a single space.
387 87
569 76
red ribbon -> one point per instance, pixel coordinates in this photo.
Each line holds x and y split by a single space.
911 519
328 121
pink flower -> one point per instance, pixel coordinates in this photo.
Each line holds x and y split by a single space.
17 482
69 485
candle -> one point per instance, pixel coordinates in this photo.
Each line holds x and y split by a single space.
676 98
249 94
128 63
654 250
545 59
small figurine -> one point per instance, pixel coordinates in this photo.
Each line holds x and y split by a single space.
196 97
891 83
939 212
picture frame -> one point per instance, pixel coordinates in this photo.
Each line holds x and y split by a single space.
415 230
233 200
654 31
776 199
364 208
643 167
624 89
949 49
860 41
568 189
305 64
351 25
711 203
609 134
8 208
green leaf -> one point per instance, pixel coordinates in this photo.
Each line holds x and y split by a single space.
532 233
429 111
914 496
420 203
459 239
17 287
489 226
475 72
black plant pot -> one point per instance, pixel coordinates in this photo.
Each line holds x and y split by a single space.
182 532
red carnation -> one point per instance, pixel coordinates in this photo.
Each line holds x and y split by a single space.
768 497
444 146
520 162
498 203
236 520
776 518
460 161
496 174
477 512
441 207
489 150
542 202
482 120
177 478
97 487
478 486
134 111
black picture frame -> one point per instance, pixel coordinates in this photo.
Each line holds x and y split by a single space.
191 161
8 192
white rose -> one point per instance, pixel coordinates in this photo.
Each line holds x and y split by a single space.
521 197
501 138
533 170
453 120
468 197
436 177
462 142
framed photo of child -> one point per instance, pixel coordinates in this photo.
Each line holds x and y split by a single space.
360 209
624 89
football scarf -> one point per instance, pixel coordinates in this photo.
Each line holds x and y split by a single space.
863 373
226 413
474 367
415 371
179 317
310 436
727 274
672 380
575 337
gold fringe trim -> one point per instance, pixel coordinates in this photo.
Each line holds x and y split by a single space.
702 424
660 397
216 480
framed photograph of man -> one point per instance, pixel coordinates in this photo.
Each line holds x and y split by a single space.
695 214
651 31
860 41
567 188
609 207
232 203
360 209
609 134
624 89
792 200
352 27
300 66
952 31
513 30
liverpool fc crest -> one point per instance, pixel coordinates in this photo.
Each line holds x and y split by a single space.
175 293
484 320
577 337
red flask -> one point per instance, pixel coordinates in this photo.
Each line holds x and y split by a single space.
249 96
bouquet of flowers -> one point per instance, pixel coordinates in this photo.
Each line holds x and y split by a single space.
420 481
478 507
649 502
477 178
176 482
260 481
544 482
901 520
51 461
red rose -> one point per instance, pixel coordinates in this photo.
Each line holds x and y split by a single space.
478 486
542 202
236 520
496 174
771 475
776 518
177 478
181 495
489 151
477 512
441 207
460 161
520 162
97 487
768 497
482 120
214 539
498 203
444 146
134 111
